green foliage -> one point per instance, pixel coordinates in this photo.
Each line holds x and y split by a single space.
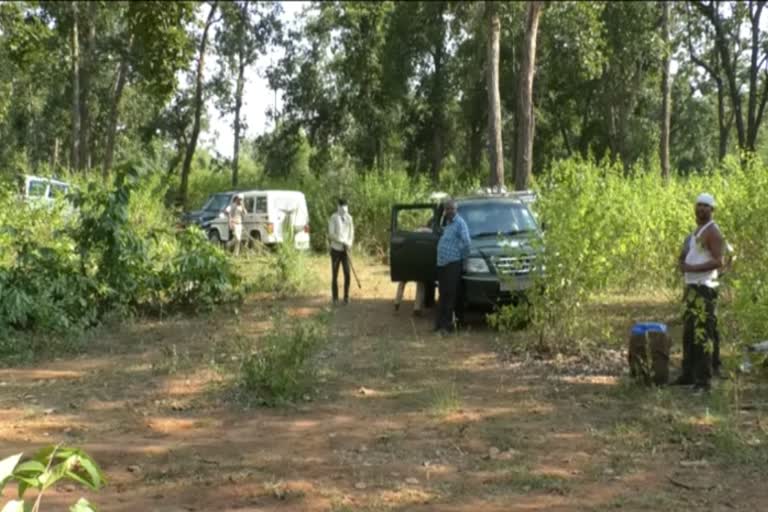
117 255
610 232
279 369
45 469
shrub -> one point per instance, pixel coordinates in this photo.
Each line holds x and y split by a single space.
610 231
280 369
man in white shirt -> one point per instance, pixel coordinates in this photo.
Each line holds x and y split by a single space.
700 260
235 214
341 233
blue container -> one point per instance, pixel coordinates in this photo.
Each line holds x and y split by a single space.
640 329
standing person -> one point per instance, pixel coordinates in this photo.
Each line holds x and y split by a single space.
700 260
235 214
341 232
452 248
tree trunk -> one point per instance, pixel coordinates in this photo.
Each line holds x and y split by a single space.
666 97
86 72
198 106
724 126
114 111
728 66
524 160
495 148
238 106
753 121
75 155
438 114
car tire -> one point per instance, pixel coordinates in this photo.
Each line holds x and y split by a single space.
213 237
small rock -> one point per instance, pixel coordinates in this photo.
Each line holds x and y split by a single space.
363 448
364 391
134 468
360 486
390 375
306 398
68 488
608 471
395 474
412 481
493 453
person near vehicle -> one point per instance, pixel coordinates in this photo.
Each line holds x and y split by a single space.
341 233
700 260
452 249
235 213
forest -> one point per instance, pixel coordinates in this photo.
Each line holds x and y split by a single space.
184 377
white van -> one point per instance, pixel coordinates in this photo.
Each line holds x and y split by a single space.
265 214
43 190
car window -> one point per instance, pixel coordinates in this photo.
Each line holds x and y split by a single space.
217 202
37 188
415 220
493 218
248 204
261 204
58 190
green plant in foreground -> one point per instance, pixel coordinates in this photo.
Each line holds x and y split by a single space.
279 370
46 468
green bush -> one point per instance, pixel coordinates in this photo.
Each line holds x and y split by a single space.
117 255
614 232
280 370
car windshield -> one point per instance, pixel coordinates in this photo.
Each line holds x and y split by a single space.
217 202
493 218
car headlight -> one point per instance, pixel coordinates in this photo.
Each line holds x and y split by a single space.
476 266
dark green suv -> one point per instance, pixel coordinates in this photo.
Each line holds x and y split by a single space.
503 256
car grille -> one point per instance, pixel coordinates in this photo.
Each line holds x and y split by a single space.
514 265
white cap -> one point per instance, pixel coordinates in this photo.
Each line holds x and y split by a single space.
706 199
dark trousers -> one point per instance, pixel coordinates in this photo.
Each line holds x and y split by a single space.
451 299
701 341
339 258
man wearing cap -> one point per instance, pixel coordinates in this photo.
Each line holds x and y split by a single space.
235 214
700 260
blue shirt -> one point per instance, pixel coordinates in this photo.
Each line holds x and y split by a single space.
454 243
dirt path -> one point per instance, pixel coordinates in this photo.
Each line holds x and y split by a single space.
400 420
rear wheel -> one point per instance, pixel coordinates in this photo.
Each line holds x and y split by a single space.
213 237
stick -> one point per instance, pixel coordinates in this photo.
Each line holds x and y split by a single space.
349 260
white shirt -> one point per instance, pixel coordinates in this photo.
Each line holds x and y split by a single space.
341 231
698 254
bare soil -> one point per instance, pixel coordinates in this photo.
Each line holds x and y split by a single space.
399 420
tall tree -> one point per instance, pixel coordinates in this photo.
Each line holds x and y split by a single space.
198 107
494 99
525 118
247 29
666 95
76 126
726 28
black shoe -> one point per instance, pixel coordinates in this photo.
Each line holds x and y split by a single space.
346 301
682 381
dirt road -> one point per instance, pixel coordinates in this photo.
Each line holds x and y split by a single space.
400 420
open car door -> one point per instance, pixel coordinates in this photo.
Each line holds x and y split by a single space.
413 243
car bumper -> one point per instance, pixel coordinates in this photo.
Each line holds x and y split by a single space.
489 291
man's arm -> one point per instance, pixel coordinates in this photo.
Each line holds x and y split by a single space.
464 236
713 240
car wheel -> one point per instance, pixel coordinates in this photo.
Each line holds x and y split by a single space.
213 236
